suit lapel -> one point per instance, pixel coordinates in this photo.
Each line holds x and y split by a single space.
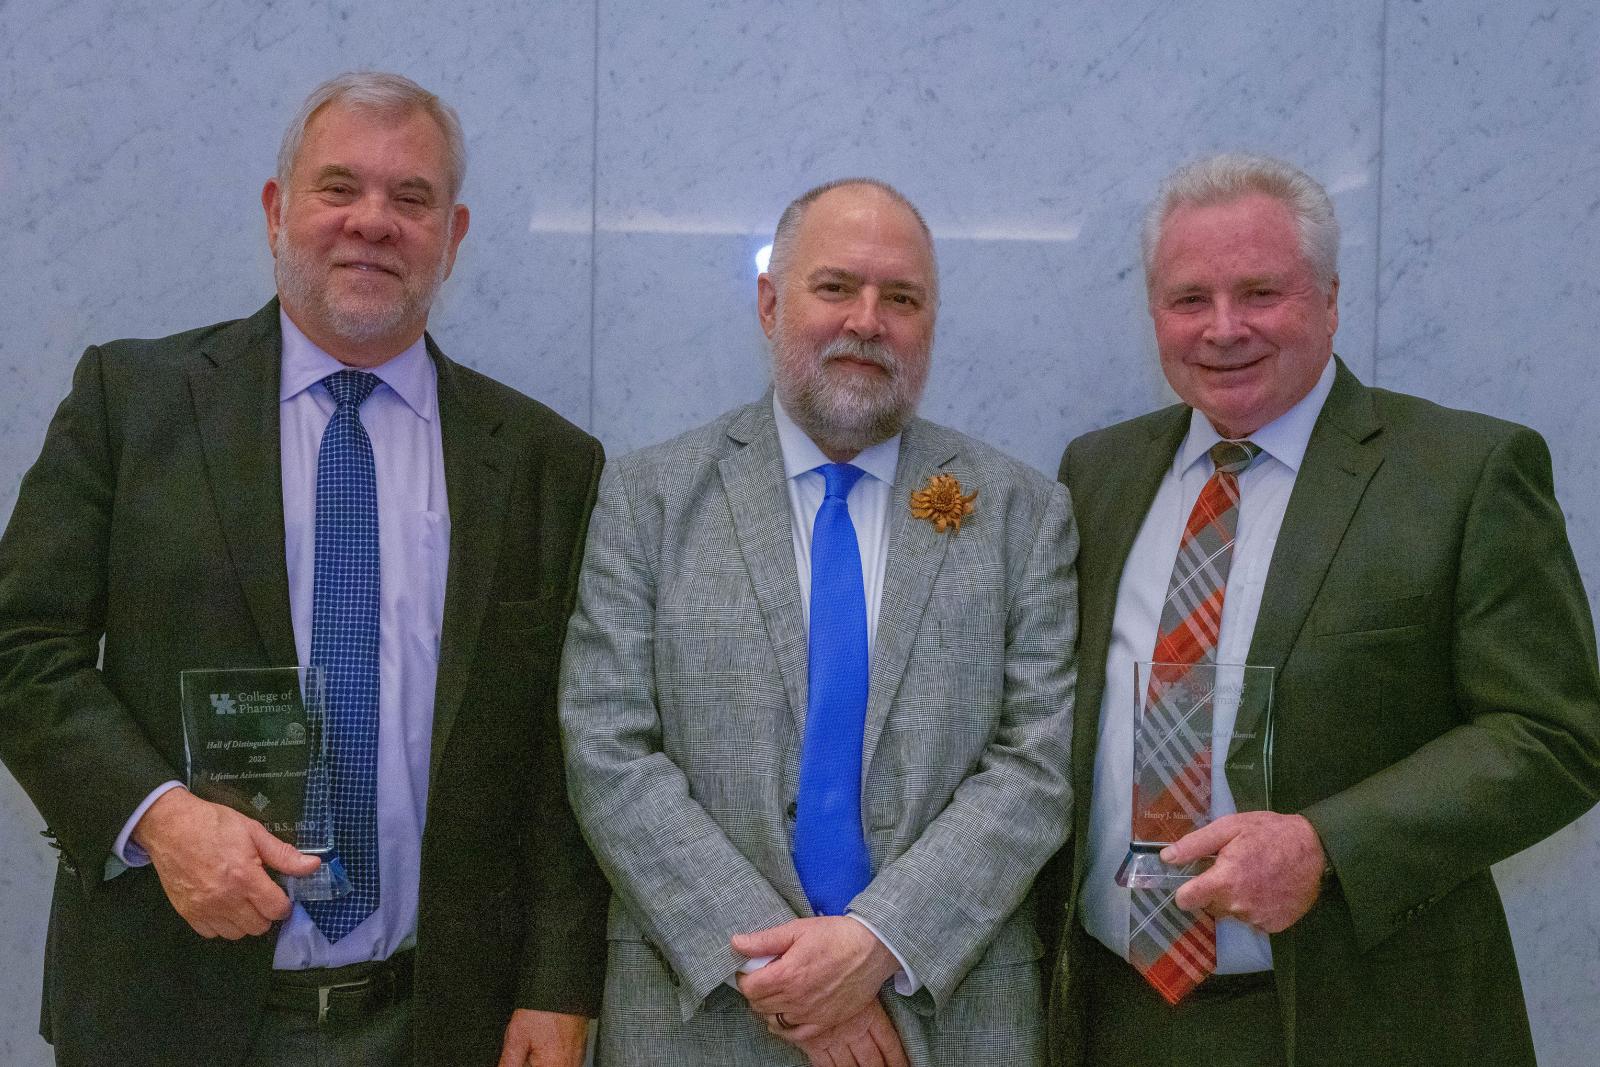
475 474
1343 454
234 387
1113 520
915 553
758 498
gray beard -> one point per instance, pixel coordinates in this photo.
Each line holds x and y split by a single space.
844 415
298 276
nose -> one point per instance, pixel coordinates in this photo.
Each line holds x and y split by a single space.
865 320
370 218
1226 325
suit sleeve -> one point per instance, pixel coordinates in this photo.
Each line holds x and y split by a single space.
563 961
1525 758
69 740
942 901
667 858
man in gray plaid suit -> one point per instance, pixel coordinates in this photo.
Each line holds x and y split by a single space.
822 823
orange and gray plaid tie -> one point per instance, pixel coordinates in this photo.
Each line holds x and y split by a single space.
1176 949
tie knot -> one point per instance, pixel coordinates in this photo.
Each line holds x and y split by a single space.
350 386
1231 457
841 478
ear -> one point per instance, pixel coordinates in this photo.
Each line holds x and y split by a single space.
271 198
1333 307
460 219
767 303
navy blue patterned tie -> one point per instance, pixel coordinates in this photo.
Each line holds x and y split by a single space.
344 641
830 849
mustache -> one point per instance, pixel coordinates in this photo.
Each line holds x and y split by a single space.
874 352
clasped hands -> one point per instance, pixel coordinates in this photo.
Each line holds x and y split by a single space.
821 992
1268 869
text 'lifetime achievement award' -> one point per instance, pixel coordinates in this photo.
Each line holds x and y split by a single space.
256 743
1187 718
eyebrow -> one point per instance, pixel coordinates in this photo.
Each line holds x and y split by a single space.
840 274
334 170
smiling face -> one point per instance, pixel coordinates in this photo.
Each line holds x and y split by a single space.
364 233
851 319
1242 326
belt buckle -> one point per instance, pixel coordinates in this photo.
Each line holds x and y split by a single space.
324 992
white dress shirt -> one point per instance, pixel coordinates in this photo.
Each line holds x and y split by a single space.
401 418
1263 497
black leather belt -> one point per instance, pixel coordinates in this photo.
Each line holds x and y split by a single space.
342 994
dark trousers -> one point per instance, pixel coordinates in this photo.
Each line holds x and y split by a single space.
365 1019
1228 1021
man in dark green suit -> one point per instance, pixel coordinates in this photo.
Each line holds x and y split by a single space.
1404 569
170 516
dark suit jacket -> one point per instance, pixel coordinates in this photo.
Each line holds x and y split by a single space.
154 517
1437 708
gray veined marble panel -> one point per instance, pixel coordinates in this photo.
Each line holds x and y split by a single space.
1491 203
134 143
1030 134
1490 300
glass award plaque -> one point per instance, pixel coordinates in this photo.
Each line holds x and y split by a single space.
1187 716
256 743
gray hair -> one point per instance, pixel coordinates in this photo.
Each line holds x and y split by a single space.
378 93
789 224
1221 179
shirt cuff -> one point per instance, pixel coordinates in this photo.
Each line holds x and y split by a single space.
749 966
905 982
125 852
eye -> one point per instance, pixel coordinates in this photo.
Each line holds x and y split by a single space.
904 300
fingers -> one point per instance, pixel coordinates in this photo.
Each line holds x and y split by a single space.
865 1052
765 989
268 900
280 855
773 941
1206 841
1201 892
799 1034
887 1040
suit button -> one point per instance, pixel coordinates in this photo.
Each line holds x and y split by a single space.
791 811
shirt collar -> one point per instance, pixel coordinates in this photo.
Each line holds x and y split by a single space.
410 374
801 454
1284 438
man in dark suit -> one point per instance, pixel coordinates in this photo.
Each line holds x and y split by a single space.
1404 570
316 483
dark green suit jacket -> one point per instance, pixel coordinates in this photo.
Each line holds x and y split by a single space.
1436 709
154 519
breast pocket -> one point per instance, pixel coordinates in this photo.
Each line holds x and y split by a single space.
1372 615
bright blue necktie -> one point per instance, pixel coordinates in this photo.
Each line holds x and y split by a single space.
830 849
344 641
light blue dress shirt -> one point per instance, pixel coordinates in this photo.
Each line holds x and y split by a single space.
1263 497
402 419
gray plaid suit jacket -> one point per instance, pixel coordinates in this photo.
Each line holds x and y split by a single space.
683 703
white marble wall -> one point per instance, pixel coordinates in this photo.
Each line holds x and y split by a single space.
628 160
